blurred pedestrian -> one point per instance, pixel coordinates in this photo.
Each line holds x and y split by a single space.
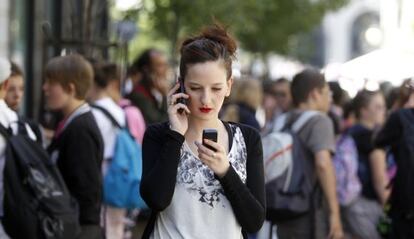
100 96
203 189
310 92
14 98
397 134
7 117
150 85
247 99
277 100
365 212
77 147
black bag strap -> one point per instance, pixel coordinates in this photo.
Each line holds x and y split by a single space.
230 131
6 132
21 126
109 116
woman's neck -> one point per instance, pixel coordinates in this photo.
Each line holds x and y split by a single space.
196 126
71 107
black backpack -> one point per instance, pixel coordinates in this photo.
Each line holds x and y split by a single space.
37 203
402 197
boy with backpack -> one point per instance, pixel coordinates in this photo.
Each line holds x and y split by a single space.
77 147
310 126
35 202
118 141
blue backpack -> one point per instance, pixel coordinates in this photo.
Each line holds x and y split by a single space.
121 184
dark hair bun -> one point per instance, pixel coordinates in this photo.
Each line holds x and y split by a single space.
220 34
216 33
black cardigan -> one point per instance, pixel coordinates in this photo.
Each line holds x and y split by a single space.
80 148
161 154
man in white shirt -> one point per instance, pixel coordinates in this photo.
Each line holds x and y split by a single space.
7 116
8 119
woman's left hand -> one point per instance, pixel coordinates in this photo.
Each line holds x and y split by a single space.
216 161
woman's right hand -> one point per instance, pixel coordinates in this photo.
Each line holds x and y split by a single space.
178 122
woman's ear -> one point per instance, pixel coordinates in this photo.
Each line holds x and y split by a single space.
229 85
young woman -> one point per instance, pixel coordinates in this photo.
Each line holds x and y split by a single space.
195 192
370 112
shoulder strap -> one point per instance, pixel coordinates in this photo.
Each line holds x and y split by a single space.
230 131
108 115
5 131
302 120
21 126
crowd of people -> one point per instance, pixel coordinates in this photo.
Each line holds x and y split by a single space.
356 153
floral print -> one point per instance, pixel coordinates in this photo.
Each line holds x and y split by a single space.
200 181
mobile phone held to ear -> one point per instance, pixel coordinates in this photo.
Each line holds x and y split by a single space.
181 100
210 134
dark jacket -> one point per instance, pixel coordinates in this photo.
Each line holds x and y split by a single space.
161 155
363 138
247 116
79 150
142 98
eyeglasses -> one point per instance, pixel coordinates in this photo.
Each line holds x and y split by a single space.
280 94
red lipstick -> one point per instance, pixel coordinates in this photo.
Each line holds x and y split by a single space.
205 109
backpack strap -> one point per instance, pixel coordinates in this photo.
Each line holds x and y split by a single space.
302 120
6 132
108 115
21 126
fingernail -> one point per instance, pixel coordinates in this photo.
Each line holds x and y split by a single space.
196 143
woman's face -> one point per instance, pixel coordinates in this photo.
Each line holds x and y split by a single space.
56 97
15 92
375 110
207 85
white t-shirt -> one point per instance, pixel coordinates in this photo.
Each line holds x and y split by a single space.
199 208
107 129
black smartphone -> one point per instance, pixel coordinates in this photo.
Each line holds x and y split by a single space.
181 99
210 134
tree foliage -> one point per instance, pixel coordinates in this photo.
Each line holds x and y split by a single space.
261 26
